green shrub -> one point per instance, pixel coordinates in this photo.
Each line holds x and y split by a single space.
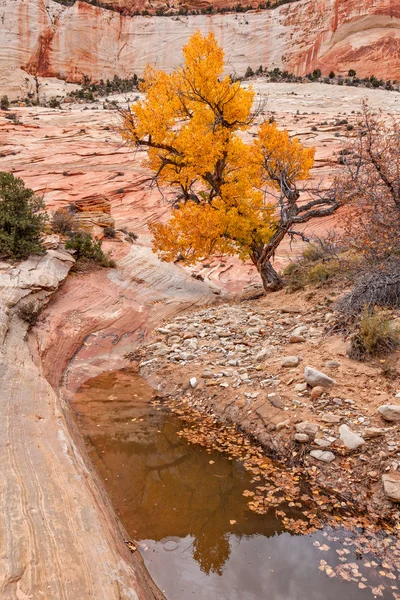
88 248
54 102
332 75
352 73
21 222
320 273
376 334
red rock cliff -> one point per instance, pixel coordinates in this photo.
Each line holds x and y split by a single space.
48 39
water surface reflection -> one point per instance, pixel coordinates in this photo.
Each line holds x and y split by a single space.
186 508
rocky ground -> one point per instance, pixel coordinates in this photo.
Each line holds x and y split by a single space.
272 367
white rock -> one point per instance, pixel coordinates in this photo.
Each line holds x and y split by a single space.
349 438
290 361
193 382
323 455
317 378
390 412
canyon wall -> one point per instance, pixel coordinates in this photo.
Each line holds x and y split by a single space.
44 38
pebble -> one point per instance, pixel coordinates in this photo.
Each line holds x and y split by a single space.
193 382
349 438
290 309
330 418
306 427
323 455
296 339
373 432
316 392
290 361
303 438
282 425
322 443
300 387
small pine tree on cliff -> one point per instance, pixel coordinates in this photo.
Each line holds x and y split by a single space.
21 221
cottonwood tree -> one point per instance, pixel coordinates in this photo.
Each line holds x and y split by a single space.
236 195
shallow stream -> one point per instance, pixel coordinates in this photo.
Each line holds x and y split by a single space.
184 507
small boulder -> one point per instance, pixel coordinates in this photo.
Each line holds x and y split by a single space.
391 486
290 361
390 412
308 428
302 438
317 378
323 455
349 438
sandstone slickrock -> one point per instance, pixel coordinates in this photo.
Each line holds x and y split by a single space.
60 538
390 412
317 378
349 438
391 486
323 455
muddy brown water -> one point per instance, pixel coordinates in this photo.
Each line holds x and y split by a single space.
185 507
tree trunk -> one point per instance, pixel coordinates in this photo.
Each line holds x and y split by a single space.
270 278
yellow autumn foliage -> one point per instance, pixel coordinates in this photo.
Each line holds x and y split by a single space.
193 123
